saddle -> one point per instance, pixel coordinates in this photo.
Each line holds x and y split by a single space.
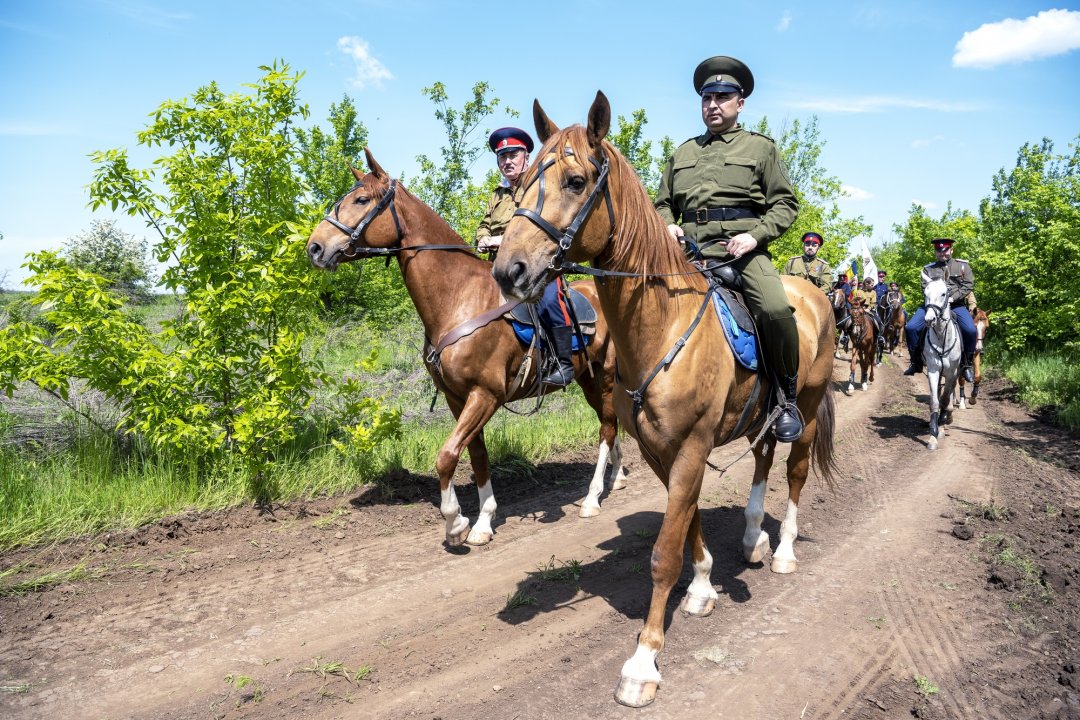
524 320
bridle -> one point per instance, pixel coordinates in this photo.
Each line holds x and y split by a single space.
357 232
565 238
941 317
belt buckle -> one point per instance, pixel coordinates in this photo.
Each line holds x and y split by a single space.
702 216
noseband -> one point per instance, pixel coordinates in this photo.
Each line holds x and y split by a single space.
565 238
355 233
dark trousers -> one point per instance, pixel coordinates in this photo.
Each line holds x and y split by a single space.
552 308
917 322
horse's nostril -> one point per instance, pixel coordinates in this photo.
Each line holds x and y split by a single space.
314 250
516 271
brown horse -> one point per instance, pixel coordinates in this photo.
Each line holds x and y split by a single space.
894 322
452 289
682 393
982 324
863 344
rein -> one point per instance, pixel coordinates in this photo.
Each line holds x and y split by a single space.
941 316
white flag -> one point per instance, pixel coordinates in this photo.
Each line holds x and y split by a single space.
869 268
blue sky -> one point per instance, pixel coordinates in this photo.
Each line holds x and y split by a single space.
917 101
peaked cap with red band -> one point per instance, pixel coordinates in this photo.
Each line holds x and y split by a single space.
812 237
508 139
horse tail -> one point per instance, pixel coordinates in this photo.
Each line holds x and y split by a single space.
821 450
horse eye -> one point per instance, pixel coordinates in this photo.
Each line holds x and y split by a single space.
575 183
361 200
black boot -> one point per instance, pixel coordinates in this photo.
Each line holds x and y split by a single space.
916 365
561 343
789 426
966 365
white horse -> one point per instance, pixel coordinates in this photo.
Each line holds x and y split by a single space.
941 355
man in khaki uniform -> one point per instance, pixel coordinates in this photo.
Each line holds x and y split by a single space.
809 266
512 147
726 190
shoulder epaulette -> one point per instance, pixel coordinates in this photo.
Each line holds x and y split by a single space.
757 134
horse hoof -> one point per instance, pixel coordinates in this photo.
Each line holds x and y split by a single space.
784 566
635 693
619 483
932 445
588 511
756 553
698 605
478 538
457 539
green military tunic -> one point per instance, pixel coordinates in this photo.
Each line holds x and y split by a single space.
957 276
816 271
738 170
501 206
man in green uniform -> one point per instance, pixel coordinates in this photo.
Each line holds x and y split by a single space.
809 266
727 191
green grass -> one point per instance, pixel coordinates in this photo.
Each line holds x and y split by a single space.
94 485
1046 380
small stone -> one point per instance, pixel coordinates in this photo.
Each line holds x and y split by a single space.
962 532
497 688
155 668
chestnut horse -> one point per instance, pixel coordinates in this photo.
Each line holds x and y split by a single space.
982 324
863 344
841 314
894 322
450 286
680 391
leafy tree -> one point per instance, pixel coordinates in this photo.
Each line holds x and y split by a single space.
818 192
629 139
229 375
1030 245
118 257
448 186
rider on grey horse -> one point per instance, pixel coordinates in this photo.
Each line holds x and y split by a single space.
960 281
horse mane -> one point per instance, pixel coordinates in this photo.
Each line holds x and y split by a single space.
640 243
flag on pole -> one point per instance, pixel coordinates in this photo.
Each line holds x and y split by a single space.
868 266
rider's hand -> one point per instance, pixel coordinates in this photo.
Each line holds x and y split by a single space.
741 244
489 243
675 232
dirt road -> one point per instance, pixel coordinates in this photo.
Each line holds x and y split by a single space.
352 607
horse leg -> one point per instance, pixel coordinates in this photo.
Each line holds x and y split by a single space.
755 542
478 455
961 400
700 596
640 676
598 393
471 416
851 377
933 377
977 361
798 466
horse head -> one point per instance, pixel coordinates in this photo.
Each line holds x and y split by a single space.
936 303
356 226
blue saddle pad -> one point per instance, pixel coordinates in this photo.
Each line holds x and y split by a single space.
525 335
743 344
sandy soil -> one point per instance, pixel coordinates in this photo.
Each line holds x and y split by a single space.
904 574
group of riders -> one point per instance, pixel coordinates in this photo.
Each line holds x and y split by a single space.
885 299
725 196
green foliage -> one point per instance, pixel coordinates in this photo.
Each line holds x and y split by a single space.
906 256
447 186
1030 246
629 139
228 376
818 192
1046 380
107 251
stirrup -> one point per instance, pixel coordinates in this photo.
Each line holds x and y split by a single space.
560 377
788 427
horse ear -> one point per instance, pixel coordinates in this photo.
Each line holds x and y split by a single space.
599 119
358 174
544 127
376 169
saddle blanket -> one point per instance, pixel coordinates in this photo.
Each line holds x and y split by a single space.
525 335
743 343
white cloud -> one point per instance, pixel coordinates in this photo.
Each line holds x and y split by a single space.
856 193
1051 32
925 204
878 103
369 71
785 22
